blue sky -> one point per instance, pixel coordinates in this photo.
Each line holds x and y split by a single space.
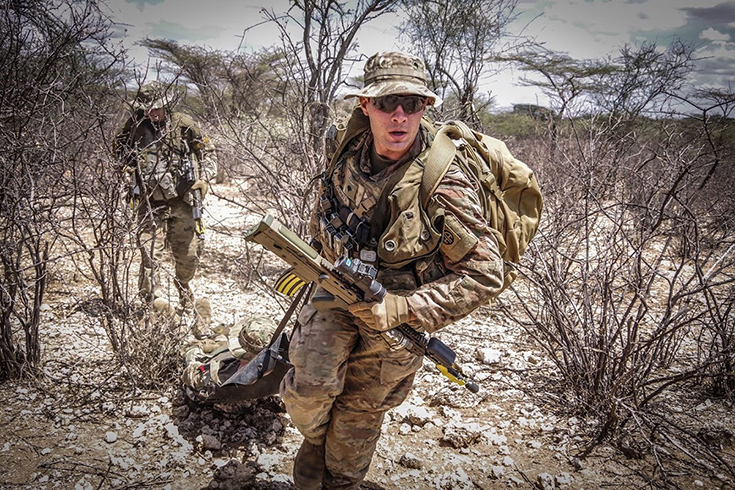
581 28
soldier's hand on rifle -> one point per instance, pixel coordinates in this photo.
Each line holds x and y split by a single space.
201 185
383 316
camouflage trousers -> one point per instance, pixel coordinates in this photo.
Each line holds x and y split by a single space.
171 224
343 381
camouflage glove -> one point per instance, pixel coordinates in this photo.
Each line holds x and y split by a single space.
383 316
202 185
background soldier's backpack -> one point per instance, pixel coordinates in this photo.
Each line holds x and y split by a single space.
507 187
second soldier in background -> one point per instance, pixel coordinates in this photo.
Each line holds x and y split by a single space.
170 163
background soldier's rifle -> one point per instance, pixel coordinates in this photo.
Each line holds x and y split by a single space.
136 191
135 184
187 178
347 281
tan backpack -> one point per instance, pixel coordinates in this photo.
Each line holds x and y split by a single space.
508 188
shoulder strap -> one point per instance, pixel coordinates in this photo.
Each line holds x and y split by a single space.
440 156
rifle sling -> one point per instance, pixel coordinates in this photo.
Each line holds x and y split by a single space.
289 313
357 124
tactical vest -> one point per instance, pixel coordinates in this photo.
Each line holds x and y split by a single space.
160 150
383 223
407 227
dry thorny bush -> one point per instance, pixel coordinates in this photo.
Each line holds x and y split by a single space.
628 289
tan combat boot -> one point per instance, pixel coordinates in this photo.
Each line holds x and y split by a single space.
186 296
162 309
309 466
145 286
203 318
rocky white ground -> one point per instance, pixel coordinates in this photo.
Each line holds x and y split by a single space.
78 428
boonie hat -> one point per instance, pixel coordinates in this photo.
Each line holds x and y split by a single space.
391 72
151 95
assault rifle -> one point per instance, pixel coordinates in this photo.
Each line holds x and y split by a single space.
348 281
186 180
135 190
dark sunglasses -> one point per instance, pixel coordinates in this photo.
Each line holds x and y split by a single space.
411 103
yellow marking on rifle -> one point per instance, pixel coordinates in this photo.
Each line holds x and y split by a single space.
290 287
445 372
289 283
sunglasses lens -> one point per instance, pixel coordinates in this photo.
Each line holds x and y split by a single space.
411 103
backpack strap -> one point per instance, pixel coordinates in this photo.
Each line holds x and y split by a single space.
440 156
474 139
357 124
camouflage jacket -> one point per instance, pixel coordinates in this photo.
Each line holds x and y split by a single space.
158 153
446 269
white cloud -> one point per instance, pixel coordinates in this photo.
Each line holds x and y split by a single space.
581 28
215 23
597 28
714 35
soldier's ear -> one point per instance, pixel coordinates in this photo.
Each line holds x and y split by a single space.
364 101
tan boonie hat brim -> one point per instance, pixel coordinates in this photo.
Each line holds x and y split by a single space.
391 87
393 73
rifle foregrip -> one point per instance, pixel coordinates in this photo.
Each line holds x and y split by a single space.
442 351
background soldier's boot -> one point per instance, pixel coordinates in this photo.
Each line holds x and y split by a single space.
203 318
186 296
309 466
162 308
145 287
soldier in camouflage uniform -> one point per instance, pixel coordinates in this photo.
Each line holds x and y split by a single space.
438 266
154 144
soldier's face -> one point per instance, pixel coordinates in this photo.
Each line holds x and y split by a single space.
394 130
157 115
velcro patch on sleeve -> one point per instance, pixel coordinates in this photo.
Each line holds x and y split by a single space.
457 240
